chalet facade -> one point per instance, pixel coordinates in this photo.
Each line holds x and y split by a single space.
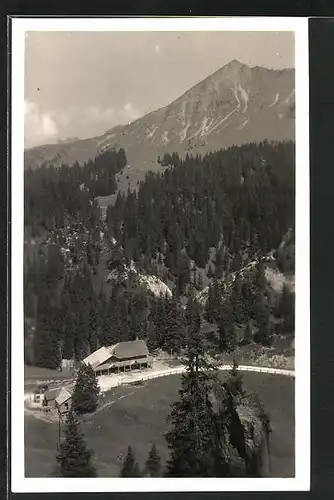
59 399
121 357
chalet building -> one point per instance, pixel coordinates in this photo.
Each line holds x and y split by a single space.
121 357
59 399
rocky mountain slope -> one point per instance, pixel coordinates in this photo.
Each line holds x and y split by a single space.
235 105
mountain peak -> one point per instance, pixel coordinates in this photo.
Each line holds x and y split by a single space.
235 63
232 69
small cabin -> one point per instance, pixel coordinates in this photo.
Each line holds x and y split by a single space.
63 401
59 399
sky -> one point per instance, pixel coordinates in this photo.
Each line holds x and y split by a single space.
80 84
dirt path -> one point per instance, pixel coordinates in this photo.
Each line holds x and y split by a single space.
106 405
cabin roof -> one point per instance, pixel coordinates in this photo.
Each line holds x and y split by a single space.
121 350
98 357
119 364
52 394
63 396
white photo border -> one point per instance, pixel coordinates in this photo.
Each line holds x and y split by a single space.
301 481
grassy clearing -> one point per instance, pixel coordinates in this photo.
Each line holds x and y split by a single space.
37 373
34 376
136 415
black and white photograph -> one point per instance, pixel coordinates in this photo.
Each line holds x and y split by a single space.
160 254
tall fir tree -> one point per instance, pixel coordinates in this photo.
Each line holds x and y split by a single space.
130 467
86 393
74 458
227 337
192 439
248 334
174 328
153 463
213 304
286 310
263 334
46 344
238 302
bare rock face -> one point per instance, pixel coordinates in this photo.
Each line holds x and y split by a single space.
235 105
244 430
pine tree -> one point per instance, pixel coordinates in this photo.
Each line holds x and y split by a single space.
192 439
227 337
263 335
213 304
46 345
86 391
174 329
219 262
74 458
237 301
130 467
248 334
286 310
153 463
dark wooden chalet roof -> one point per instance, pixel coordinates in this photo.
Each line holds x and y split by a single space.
130 349
52 394
120 351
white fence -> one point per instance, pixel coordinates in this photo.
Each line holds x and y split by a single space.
182 369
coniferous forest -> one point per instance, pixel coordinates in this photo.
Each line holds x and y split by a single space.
198 226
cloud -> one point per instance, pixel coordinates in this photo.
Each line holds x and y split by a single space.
129 112
39 127
83 122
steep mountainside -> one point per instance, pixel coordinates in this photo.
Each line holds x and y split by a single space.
235 105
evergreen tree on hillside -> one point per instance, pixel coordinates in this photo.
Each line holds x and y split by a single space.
213 303
174 328
237 301
219 263
138 305
248 298
46 344
130 467
74 458
152 341
153 463
263 334
286 309
192 439
183 274
86 393
248 334
123 319
193 318
227 337
66 321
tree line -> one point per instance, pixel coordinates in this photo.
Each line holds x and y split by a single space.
52 194
242 196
